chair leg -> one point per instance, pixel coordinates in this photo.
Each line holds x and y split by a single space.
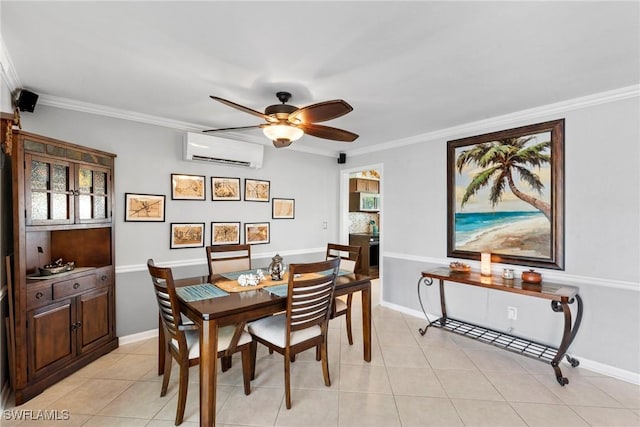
246 369
348 319
287 379
325 364
318 353
225 363
254 348
168 359
182 390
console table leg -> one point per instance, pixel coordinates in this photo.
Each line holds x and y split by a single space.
427 281
567 336
443 306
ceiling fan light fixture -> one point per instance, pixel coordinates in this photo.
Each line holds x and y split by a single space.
278 132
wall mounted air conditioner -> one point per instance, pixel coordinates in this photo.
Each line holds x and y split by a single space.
212 149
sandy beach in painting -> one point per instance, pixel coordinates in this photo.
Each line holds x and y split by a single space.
529 237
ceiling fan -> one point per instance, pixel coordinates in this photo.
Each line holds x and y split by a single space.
287 123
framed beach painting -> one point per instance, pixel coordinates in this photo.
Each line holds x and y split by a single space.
505 195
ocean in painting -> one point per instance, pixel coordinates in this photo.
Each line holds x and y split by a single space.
469 226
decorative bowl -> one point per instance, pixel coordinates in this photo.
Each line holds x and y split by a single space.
459 267
531 277
50 269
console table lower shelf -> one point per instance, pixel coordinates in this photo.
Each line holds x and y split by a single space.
561 297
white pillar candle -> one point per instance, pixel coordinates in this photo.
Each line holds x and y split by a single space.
485 264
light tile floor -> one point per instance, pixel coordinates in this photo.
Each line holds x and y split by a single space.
439 379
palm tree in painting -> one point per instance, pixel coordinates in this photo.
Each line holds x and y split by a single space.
499 160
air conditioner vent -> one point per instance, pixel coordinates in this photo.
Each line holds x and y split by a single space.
212 149
218 160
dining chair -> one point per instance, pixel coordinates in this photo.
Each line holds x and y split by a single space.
349 256
227 258
305 323
182 340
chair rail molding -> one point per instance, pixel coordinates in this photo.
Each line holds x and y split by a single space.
131 268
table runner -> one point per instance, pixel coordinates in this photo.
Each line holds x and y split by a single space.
230 281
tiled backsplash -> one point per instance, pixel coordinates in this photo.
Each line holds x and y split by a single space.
359 221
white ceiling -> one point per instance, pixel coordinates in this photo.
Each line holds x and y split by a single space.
407 68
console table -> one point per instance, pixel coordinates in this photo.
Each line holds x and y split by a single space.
561 297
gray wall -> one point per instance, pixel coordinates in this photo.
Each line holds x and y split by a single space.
602 237
147 155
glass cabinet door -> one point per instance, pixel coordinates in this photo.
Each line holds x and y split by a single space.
93 194
49 191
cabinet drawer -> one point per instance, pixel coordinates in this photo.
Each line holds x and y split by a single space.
39 295
104 276
74 286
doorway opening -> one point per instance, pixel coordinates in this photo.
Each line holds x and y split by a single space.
361 214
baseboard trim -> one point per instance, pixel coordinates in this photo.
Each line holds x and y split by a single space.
140 336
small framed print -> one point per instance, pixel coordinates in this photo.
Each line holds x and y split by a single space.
225 188
187 235
256 233
225 233
187 187
256 190
283 208
144 207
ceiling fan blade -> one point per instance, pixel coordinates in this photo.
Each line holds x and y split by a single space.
320 112
240 107
236 128
327 132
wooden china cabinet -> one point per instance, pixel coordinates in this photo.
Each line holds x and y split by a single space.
62 210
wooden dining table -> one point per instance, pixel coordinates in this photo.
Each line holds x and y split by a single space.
209 314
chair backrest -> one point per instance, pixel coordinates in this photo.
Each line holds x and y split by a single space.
226 258
310 294
348 254
165 290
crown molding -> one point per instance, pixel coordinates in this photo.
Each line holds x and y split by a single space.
9 74
507 119
101 110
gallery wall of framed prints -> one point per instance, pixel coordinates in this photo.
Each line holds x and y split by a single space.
140 207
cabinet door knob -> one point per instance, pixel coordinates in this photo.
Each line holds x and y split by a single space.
39 295
103 277
76 285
